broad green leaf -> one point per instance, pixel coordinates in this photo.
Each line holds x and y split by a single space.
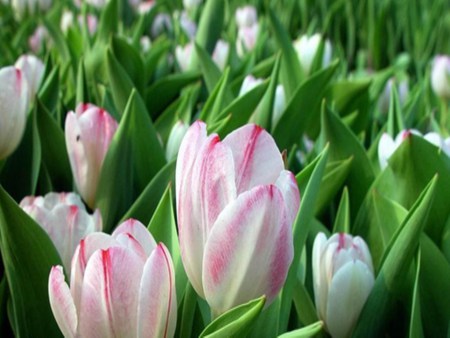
163 227
108 21
301 228
304 305
236 321
28 255
342 220
376 222
303 108
214 103
291 72
305 332
394 267
134 157
49 91
434 281
158 49
161 94
343 144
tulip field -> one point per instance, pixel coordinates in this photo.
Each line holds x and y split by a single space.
209 168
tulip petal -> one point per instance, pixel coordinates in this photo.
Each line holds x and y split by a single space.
287 184
348 292
205 191
319 283
157 309
61 302
257 159
110 293
249 250
386 148
139 232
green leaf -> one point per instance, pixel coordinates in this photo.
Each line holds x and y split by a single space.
303 109
304 305
305 332
291 72
163 227
342 220
211 109
28 255
82 94
236 321
415 324
134 157
395 118
343 144
300 228
108 21
394 267
49 91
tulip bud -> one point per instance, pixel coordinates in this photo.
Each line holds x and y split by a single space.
38 39
279 104
220 54
161 23
121 285
33 70
246 39
235 205
307 48
66 21
246 16
188 25
145 6
65 219
384 100
176 136
89 131
440 76
145 43
343 279
184 56
249 83
13 109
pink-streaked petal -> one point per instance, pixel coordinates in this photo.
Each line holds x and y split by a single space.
211 188
249 250
157 309
61 302
139 232
83 253
287 184
257 159
98 221
348 292
110 294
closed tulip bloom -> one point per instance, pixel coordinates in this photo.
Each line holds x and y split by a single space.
249 83
89 131
220 54
440 76
279 104
65 219
307 48
384 101
33 69
189 26
343 279
121 285
183 56
235 207
176 136
246 39
13 109
246 16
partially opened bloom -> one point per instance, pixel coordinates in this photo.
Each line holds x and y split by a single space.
121 285
343 279
89 131
307 48
440 76
235 206
13 109
65 219
33 69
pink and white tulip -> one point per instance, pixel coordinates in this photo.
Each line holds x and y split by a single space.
14 102
343 278
246 16
307 48
38 39
440 76
121 285
220 54
236 205
65 219
33 69
183 56
384 101
189 26
246 39
89 131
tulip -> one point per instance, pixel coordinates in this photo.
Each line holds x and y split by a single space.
176 136
184 56
235 207
246 16
343 279
38 39
189 26
161 23
33 69
246 39
279 104
440 76
249 83
145 6
13 109
307 48
191 4
384 100
89 131
220 53
21 7
121 285
65 219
